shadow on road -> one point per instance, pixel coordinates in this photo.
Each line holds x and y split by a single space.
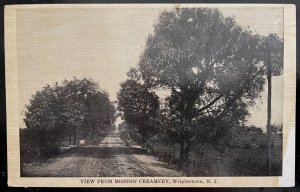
108 148
106 152
111 158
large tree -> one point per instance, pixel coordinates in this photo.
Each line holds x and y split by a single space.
211 67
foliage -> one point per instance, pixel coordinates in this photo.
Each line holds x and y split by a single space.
253 129
276 128
211 67
74 108
140 108
272 53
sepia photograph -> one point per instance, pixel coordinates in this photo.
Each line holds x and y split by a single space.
157 91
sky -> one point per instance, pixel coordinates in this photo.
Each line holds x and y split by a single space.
103 43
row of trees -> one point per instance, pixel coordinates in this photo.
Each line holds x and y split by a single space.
212 70
73 110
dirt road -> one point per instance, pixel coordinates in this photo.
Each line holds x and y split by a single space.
111 158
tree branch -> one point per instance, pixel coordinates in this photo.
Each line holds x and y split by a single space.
210 104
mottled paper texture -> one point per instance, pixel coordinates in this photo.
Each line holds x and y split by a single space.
138 124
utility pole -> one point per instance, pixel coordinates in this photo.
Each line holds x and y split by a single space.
269 78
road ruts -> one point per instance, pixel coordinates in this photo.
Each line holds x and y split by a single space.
111 158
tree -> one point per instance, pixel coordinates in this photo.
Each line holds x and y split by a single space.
140 108
211 67
42 119
101 113
272 56
73 108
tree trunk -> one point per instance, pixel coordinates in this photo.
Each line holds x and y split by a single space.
184 151
184 141
269 78
70 139
43 143
93 129
59 141
75 136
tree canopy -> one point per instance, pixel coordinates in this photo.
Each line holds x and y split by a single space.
208 62
140 107
212 68
72 108
272 53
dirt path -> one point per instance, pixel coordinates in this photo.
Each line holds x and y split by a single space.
112 158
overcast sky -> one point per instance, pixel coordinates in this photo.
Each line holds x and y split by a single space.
102 44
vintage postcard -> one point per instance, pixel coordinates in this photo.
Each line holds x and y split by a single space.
150 95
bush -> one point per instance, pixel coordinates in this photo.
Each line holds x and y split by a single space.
28 147
34 143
